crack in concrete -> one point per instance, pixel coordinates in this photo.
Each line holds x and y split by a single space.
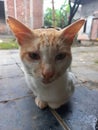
11 77
15 99
60 120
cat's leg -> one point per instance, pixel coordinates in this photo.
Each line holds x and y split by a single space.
54 105
40 104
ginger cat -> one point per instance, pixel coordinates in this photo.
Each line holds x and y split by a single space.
46 56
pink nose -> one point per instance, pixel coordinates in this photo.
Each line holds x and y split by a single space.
47 74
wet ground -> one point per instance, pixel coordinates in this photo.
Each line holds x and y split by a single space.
19 112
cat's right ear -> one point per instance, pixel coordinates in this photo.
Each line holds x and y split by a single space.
22 33
70 31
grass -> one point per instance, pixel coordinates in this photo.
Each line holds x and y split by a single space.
11 44
96 61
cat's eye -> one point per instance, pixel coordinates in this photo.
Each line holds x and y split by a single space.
34 55
60 56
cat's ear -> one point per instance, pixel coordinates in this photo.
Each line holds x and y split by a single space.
21 32
70 31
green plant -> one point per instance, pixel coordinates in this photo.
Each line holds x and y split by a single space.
9 45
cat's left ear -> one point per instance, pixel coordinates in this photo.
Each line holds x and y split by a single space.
22 33
70 31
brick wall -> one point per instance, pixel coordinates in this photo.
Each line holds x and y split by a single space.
21 10
10 7
37 13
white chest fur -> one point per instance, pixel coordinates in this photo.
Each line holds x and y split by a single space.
55 93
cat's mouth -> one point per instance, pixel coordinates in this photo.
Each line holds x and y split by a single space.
45 81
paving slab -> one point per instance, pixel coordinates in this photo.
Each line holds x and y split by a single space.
9 57
17 107
10 71
6 60
23 114
15 56
81 113
13 88
85 65
86 74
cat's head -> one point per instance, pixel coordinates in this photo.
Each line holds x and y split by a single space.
45 53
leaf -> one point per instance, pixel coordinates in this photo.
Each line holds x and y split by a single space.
68 8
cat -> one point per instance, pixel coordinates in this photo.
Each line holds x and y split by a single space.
46 56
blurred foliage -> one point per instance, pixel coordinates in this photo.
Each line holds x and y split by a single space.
10 44
61 16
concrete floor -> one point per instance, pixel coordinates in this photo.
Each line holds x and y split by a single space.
19 112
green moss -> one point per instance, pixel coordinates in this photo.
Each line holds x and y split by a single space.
9 45
96 61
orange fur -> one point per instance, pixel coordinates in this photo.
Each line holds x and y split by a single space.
46 56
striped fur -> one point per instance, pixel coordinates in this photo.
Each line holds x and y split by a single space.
46 56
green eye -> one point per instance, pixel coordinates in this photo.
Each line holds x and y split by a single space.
34 56
60 56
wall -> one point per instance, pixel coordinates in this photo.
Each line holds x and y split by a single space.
89 8
38 13
30 12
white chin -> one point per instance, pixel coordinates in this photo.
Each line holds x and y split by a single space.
47 81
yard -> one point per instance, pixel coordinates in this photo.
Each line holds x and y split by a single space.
17 107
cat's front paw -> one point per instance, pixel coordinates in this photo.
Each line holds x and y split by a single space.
40 103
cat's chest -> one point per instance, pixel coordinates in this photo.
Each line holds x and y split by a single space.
50 91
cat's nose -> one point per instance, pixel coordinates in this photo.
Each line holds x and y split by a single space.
48 74
48 71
